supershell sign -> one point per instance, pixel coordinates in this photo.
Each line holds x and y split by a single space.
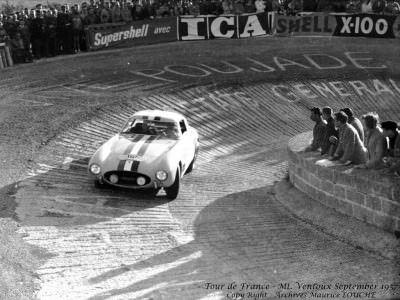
226 26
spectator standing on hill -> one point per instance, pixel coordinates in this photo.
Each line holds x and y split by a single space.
116 13
37 34
249 7
260 6
64 31
105 13
319 131
227 7
18 50
331 131
391 131
126 14
366 6
51 28
350 147
238 7
355 122
375 142
77 30
391 7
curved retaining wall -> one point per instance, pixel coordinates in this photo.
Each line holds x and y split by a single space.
363 194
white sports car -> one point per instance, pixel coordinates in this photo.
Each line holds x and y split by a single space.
153 150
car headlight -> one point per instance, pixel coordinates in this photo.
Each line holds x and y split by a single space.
95 169
161 175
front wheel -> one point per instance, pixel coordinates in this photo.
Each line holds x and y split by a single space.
173 190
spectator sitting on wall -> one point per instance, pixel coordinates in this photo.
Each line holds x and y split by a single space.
375 141
331 131
355 122
319 131
227 7
350 147
391 131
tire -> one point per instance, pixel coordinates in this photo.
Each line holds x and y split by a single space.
173 190
191 166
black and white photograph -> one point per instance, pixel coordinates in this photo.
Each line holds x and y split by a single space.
199 149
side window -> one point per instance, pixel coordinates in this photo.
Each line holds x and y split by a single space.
183 126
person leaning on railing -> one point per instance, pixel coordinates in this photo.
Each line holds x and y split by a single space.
375 142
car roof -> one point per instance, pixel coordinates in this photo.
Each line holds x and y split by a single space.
162 115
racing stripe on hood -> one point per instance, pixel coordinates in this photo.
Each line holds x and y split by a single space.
128 150
141 152
135 150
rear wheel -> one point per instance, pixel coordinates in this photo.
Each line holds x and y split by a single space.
173 190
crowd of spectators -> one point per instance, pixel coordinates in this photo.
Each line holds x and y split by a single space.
53 30
367 144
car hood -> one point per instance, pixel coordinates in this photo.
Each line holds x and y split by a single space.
142 148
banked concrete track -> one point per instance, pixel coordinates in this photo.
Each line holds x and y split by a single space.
225 225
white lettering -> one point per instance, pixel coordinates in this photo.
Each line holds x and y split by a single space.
204 73
360 86
216 27
282 62
380 87
381 26
339 89
293 96
356 61
346 25
154 74
252 27
267 68
322 88
341 64
192 31
236 69
301 88
367 24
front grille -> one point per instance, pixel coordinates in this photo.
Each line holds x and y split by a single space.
126 177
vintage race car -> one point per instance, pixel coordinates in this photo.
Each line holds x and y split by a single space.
153 150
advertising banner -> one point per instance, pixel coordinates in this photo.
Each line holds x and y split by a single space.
313 24
365 25
129 34
224 26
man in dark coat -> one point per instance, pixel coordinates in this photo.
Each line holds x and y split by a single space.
319 131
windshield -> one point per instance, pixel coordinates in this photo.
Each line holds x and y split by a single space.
138 126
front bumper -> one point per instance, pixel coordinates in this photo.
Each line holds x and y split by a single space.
128 179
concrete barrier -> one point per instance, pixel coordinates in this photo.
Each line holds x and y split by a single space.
367 195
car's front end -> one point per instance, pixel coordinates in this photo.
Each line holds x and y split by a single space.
114 163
